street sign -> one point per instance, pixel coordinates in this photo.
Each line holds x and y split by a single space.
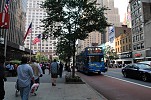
4 20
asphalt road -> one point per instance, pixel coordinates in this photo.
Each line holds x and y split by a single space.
114 86
116 73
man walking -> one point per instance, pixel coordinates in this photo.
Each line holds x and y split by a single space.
25 75
37 70
54 72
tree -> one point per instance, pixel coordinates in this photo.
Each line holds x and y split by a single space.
64 50
41 58
72 20
110 54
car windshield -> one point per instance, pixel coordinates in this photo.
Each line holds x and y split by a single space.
143 66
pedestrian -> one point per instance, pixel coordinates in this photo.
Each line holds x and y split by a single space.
60 69
49 68
2 77
43 67
54 72
37 71
10 68
25 75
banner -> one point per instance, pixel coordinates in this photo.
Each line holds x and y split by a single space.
4 20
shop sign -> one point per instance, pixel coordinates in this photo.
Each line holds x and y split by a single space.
125 55
137 54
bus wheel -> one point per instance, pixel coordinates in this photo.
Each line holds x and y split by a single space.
99 73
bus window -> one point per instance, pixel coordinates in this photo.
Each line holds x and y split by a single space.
95 59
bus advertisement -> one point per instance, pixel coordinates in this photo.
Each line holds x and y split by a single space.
91 60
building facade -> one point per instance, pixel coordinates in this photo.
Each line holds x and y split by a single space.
112 17
123 43
16 30
140 14
34 15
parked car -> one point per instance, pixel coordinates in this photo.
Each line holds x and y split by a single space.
145 62
137 70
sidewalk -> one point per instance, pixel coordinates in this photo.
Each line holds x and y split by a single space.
61 91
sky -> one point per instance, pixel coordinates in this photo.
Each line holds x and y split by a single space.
122 6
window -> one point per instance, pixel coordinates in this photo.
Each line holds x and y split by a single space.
137 37
141 28
126 47
133 23
142 45
133 38
123 48
133 30
126 39
141 36
129 38
139 2
139 10
134 47
129 46
123 41
138 46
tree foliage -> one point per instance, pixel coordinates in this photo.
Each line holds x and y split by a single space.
73 19
110 53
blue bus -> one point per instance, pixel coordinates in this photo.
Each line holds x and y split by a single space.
91 60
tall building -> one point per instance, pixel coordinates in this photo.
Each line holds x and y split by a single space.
15 32
35 14
140 12
112 17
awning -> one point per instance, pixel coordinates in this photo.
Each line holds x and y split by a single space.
139 58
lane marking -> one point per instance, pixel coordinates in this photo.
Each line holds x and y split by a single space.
116 72
129 81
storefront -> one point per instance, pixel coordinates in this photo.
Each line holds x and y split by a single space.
125 58
148 55
138 56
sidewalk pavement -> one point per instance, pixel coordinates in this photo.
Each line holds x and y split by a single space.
61 91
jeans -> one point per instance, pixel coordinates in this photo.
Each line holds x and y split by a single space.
24 92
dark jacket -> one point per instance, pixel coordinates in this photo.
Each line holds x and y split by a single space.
2 77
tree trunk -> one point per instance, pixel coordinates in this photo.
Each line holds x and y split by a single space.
73 67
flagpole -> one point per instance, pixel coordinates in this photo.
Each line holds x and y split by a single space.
5 48
30 44
40 52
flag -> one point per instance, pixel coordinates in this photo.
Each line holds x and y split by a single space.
6 6
28 31
4 20
37 39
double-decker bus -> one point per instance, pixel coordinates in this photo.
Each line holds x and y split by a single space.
91 60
